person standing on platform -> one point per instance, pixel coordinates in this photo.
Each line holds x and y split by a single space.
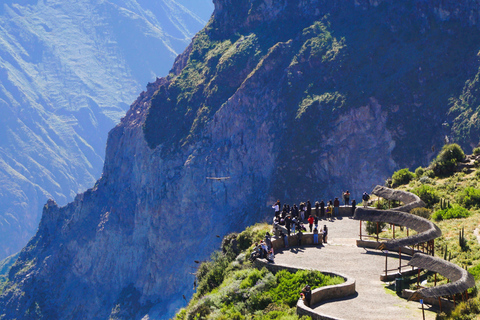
365 198
315 235
302 211
346 198
354 206
322 209
299 237
288 224
329 211
309 209
276 207
310 222
336 205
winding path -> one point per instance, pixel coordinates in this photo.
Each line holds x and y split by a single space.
341 255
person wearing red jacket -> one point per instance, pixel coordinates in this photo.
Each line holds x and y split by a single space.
310 222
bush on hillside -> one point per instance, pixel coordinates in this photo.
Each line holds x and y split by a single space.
428 195
454 212
429 174
476 151
447 160
422 212
466 310
210 274
469 197
425 179
419 172
402 176
251 235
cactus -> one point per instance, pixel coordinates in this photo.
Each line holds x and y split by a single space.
445 253
462 241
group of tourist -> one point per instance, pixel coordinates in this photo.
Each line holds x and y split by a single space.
320 211
263 250
293 219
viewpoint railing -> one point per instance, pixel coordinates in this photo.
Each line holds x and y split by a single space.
427 232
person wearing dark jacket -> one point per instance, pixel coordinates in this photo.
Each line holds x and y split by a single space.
354 206
288 224
307 293
336 206
299 237
322 209
309 209
294 211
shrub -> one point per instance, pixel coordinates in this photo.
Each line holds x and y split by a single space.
402 176
251 235
425 179
419 172
475 271
290 284
477 174
446 161
422 212
427 194
469 197
451 152
455 212
466 310
476 151
252 278
429 173
371 227
211 274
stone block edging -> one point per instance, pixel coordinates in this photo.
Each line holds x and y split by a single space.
319 295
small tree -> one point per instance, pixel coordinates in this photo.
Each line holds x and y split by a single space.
402 176
446 161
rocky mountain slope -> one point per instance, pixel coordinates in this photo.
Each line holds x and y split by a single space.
68 72
291 100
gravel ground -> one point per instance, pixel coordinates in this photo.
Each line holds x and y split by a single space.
373 300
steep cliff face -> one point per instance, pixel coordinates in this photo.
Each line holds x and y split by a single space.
291 100
68 72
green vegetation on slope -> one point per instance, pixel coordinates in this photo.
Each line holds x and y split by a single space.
229 287
454 197
5 266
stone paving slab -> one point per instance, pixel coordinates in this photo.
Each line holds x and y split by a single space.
340 253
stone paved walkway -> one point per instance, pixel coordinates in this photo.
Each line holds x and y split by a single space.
373 300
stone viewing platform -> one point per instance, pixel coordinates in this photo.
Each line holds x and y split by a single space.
360 266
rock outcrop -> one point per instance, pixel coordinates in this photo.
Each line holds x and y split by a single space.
285 98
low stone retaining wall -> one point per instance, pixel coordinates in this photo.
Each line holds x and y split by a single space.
326 293
307 240
446 304
319 295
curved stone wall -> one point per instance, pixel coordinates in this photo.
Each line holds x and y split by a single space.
319 295
426 231
461 278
